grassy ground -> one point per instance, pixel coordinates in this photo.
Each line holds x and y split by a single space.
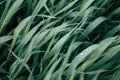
59 39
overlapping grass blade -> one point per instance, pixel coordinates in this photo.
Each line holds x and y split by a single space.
92 26
46 39
14 8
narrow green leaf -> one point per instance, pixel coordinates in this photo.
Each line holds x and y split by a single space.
4 39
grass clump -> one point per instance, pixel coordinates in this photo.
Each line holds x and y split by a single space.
59 40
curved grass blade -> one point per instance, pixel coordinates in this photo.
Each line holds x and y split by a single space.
4 39
79 58
11 12
92 26
112 32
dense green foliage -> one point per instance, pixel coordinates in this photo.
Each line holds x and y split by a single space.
59 40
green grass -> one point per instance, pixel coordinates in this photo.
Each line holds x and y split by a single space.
59 40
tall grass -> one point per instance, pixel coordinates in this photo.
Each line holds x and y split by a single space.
59 40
